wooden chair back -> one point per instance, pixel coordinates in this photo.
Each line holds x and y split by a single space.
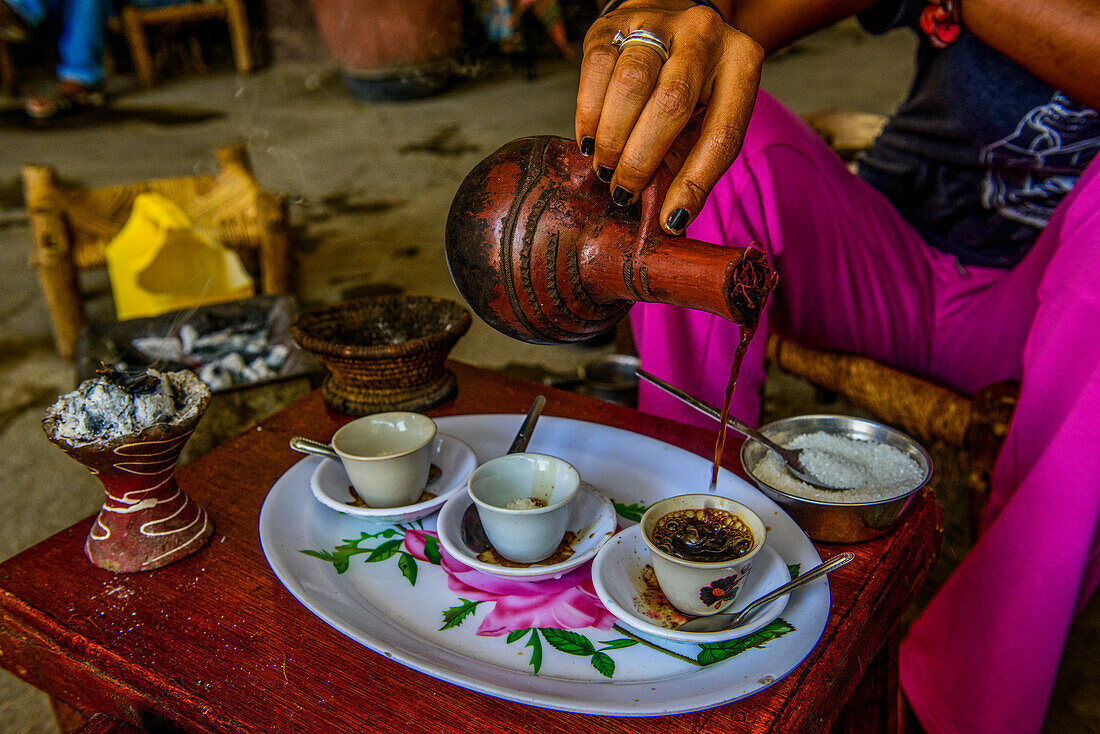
71 227
133 22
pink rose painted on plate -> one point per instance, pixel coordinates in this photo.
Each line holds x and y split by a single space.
568 602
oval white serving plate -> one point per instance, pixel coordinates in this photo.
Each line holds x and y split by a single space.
374 603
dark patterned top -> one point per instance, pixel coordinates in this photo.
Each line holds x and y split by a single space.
981 151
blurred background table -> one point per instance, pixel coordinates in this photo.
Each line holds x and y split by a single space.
214 643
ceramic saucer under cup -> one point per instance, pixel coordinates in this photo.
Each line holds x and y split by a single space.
331 486
618 574
592 521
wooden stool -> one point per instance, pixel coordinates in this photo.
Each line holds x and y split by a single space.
928 411
132 22
71 227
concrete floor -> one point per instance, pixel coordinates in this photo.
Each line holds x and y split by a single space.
370 186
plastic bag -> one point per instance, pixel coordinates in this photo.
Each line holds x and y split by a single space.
159 263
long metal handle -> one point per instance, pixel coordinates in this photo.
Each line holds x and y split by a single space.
831 565
309 446
708 409
523 436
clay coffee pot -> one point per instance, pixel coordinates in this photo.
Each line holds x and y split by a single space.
541 252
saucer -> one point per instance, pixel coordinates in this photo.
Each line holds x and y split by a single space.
330 484
592 520
617 576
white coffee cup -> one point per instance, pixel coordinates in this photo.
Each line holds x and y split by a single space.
387 456
701 587
524 534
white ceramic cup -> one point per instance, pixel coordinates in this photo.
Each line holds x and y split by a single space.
387 456
524 535
701 587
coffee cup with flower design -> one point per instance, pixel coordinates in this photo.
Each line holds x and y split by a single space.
701 548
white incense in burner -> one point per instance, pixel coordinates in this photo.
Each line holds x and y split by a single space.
128 429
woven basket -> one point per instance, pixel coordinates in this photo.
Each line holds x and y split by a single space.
384 353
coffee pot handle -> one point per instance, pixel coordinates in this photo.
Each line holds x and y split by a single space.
650 201
732 282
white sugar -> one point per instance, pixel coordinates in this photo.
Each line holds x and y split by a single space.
862 471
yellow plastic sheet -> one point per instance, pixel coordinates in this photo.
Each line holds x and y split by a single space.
159 263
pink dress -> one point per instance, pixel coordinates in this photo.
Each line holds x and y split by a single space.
855 276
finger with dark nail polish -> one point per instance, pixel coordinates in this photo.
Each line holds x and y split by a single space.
678 220
604 173
622 197
588 146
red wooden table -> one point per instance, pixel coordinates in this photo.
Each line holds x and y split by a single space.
214 643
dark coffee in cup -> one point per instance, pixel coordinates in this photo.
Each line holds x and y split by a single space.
703 535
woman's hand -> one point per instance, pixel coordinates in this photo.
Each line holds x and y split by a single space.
633 111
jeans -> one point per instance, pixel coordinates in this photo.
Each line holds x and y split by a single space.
82 26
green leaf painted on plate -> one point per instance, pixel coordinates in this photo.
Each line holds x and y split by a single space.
456 615
568 641
536 650
339 561
716 652
340 557
603 664
630 512
431 550
515 634
795 569
407 564
385 551
618 644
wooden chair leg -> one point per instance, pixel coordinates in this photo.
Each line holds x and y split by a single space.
238 35
59 285
51 255
7 70
873 706
274 246
138 42
993 409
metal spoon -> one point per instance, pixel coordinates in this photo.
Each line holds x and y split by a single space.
730 620
309 446
791 457
473 535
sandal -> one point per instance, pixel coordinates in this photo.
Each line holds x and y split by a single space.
70 98
13 28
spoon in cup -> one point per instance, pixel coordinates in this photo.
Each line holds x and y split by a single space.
792 458
731 620
309 446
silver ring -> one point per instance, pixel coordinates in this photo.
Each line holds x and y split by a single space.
641 37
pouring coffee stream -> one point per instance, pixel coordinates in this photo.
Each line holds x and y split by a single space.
791 457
